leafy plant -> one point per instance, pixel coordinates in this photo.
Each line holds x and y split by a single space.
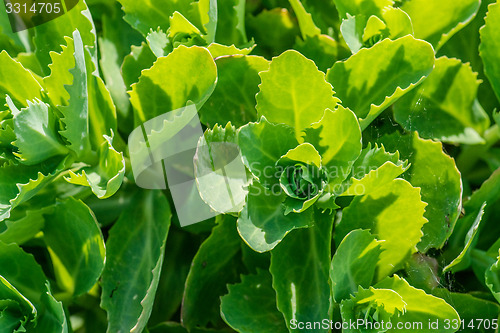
350 156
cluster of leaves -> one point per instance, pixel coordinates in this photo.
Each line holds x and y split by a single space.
369 137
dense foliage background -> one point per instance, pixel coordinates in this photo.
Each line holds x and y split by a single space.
369 137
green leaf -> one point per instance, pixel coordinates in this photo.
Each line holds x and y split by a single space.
492 276
294 92
323 50
53 319
214 265
389 213
20 183
437 21
490 43
250 306
60 76
20 85
302 284
20 310
23 229
469 308
221 176
355 7
140 58
337 137
76 113
146 16
36 133
263 224
79 260
444 205
218 50
22 271
374 168
420 307
168 86
51 35
134 255
306 23
354 264
262 144
463 260
231 22
234 97
373 79
441 108
371 305
105 178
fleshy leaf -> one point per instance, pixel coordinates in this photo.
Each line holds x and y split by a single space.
23 229
221 176
134 256
234 97
355 7
463 260
493 279
218 50
140 58
394 214
36 134
262 144
263 224
17 82
79 260
214 265
421 307
302 284
444 205
490 43
337 137
354 264
441 108
306 23
105 178
250 305
294 92
374 168
437 21
167 85
373 79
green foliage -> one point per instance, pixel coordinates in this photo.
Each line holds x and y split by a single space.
345 155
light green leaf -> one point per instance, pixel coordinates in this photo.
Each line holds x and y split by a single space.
463 260
168 86
441 108
444 205
79 260
263 224
303 153
354 263
394 214
17 82
51 35
250 306
437 21
213 267
337 137
234 97
374 168
375 305
76 113
218 50
179 24
105 178
323 50
355 7
134 255
220 174
302 284
294 92
262 144
36 133
490 43
373 79
60 76
420 307
140 58
306 23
